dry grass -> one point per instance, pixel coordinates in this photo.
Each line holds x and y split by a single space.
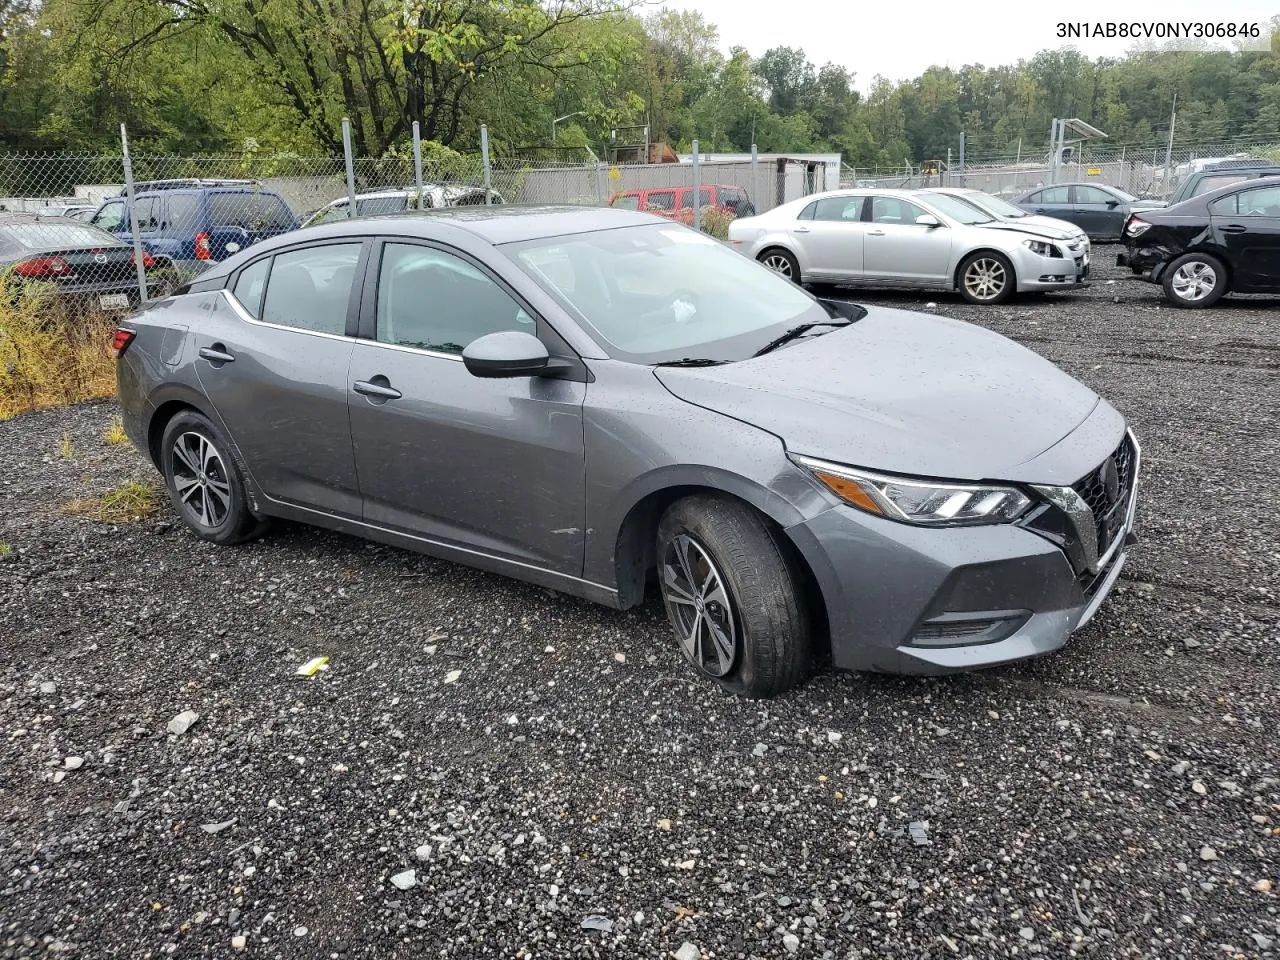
50 354
65 450
115 434
6 550
132 500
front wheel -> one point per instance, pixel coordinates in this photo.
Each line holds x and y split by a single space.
782 262
987 278
733 596
1195 280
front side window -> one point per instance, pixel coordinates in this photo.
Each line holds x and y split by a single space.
110 216
893 210
380 206
310 288
436 301
1085 194
704 197
249 286
626 201
657 293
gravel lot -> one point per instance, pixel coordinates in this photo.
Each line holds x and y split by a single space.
1119 799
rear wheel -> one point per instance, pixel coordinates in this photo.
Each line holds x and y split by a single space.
1195 280
204 483
987 277
782 263
733 596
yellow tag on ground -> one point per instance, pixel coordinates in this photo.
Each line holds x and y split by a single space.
312 666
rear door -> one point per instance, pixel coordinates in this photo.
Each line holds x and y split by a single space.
1246 225
898 248
829 236
273 357
1053 202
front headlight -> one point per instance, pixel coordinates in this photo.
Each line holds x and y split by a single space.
922 502
1041 248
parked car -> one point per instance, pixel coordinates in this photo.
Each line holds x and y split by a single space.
676 203
915 238
1222 175
75 211
382 202
1003 210
599 399
1226 241
1097 209
195 223
83 263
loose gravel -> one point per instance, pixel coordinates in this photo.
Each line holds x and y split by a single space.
485 769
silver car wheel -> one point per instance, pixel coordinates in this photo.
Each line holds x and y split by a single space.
985 278
1194 281
778 264
699 604
200 479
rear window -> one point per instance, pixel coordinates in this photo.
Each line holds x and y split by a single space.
48 236
379 206
251 211
1222 180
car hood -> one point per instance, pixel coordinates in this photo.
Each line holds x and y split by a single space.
1037 222
901 392
1044 229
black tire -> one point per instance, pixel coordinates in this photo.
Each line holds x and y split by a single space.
206 488
993 266
771 625
1194 281
781 262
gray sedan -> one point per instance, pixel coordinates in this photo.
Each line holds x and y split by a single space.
1097 209
601 401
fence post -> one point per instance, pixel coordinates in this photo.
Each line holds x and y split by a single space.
351 170
488 172
138 257
755 164
417 161
601 198
962 181
697 183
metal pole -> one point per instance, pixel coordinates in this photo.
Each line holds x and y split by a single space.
601 195
962 158
138 257
646 144
351 169
417 161
488 172
755 166
697 207
1168 153
1053 151
1019 158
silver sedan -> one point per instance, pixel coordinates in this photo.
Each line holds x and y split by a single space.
914 238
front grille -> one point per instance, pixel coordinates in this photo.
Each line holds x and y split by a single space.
1107 491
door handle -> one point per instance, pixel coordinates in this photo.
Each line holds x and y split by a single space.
216 354
802 230
875 233
378 387
1233 228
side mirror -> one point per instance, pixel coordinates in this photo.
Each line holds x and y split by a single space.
1112 204
509 353
927 220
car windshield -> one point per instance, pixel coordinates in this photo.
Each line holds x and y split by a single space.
654 294
1126 197
994 205
957 209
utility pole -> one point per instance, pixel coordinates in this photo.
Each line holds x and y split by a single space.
1168 152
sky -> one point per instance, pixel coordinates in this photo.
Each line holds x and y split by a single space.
900 40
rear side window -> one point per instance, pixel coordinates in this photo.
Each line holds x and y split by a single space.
250 211
250 285
184 213
149 211
1051 195
310 288
837 208
704 198
660 200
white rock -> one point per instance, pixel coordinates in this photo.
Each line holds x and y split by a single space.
299 931
791 942
687 951
452 676
48 687
1198 787
406 880
239 942
423 852
182 722
1208 853
73 763
834 736
1026 933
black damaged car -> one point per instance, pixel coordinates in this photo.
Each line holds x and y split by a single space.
1226 241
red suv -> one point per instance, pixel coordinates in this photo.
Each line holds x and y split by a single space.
674 202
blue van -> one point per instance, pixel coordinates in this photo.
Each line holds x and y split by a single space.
195 223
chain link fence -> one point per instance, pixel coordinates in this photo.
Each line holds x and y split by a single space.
105 233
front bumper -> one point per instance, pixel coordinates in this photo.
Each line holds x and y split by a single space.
913 600
1035 272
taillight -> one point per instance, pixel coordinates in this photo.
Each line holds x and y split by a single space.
1135 226
202 247
120 341
148 261
42 267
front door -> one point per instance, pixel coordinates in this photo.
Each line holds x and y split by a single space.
898 248
1247 227
497 466
273 357
1099 213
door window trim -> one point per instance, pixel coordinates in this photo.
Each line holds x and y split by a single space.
353 299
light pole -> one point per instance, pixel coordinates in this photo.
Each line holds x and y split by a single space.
567 116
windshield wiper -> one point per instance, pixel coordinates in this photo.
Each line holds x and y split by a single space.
797 332
691 362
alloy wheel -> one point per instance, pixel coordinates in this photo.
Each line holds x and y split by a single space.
985 278
200 479
700 606
1194 281
778 264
